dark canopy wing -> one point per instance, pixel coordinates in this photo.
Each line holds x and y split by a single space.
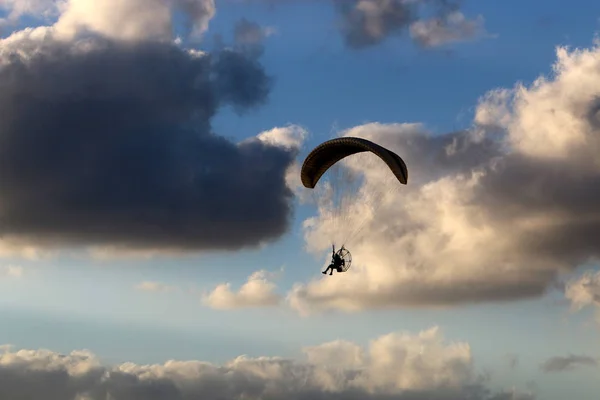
328 153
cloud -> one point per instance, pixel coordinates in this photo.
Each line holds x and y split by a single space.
258 291
429 23
16 9
494 213
584 291
291 137
11 271
395 367
365 23
109 144
561 364
248 32
339 353
453 27
22 250
149 286
249 37
117 19
368 22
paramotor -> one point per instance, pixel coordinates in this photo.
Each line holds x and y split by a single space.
351 185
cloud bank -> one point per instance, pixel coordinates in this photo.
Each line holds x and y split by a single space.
368 23
398 366
494 213
107 137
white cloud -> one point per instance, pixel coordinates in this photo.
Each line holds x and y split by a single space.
258 291
556 116
133 19
398 366
489 214
584 292
118 19
11 271
291 137
339 353
400 361
453 27
16 9
150 286
130 19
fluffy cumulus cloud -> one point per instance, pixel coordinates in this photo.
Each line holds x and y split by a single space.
493 213
365 23
134 19
119 19
107 140
584 292
560 364
258 291
290 137
394 367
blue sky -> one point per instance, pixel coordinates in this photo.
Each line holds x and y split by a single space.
72 300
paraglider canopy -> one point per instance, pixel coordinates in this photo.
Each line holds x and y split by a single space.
328 153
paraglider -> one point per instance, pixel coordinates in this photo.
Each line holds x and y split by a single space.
342 161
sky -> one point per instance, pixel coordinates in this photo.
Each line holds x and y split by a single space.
156 241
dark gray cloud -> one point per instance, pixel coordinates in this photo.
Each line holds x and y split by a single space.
248 32
518 187
110 143
561 364
249 37
365 23
79 376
